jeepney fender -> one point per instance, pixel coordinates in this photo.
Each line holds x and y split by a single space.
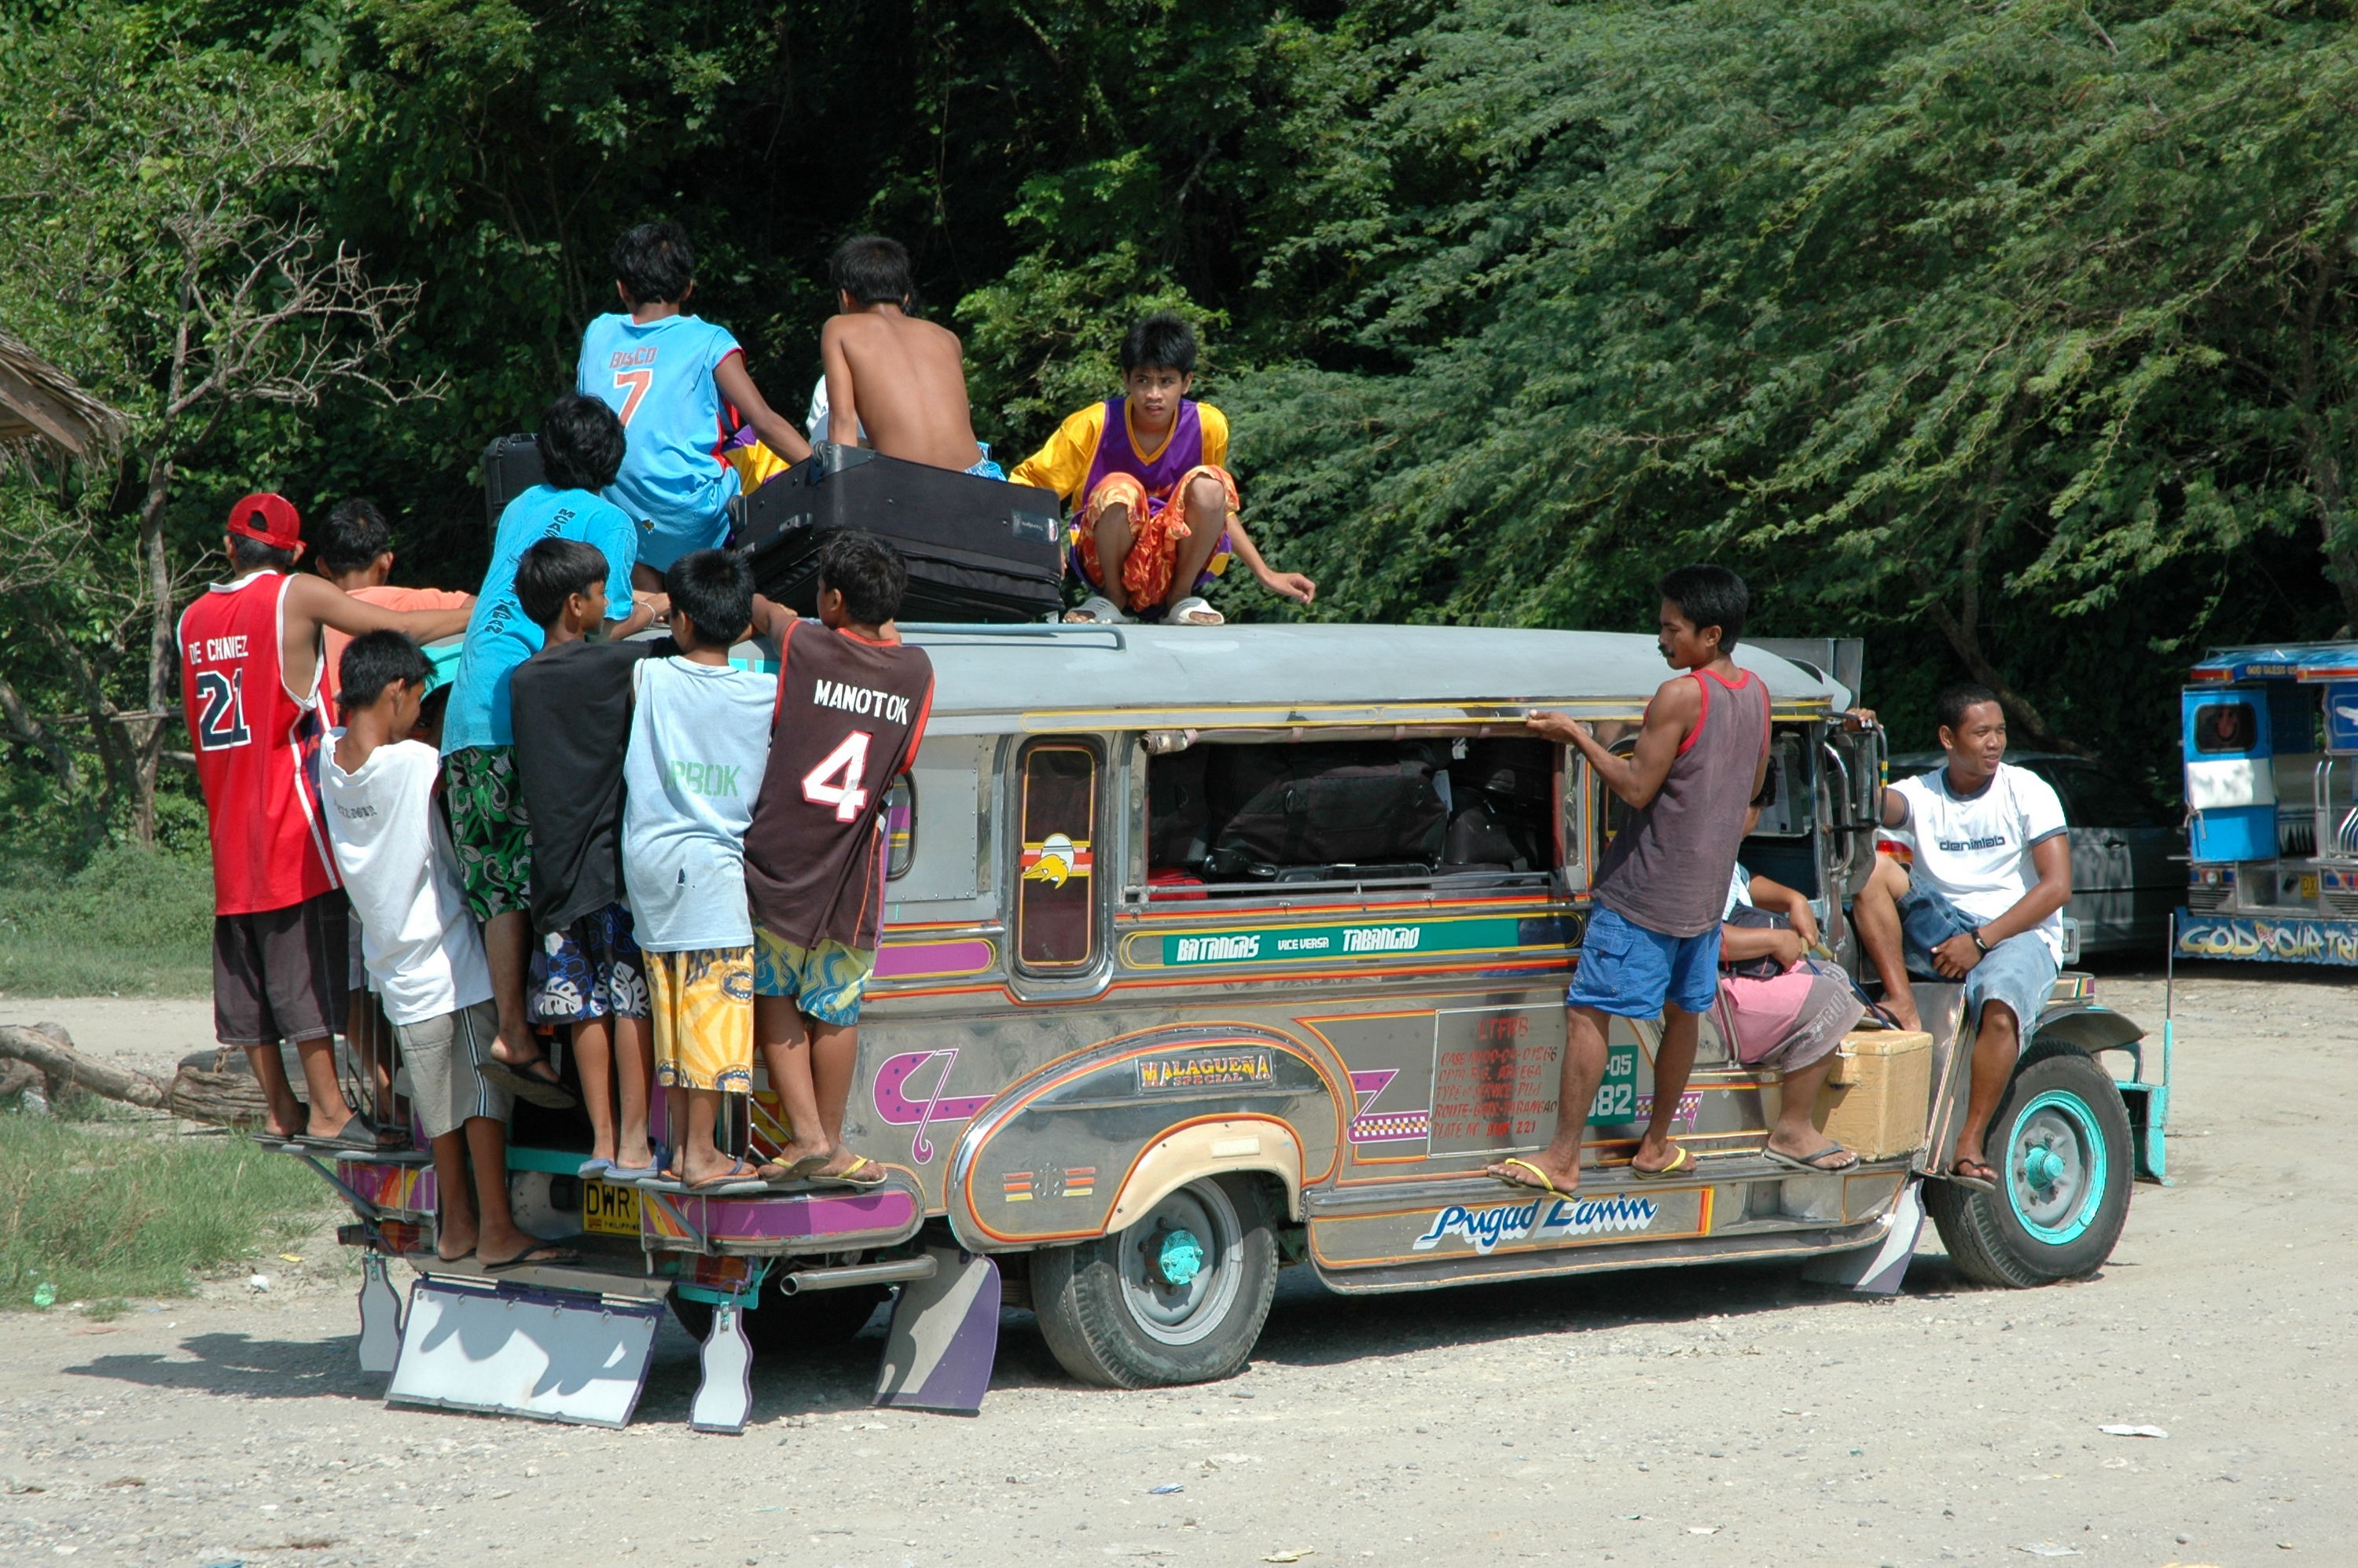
2087 1028
1172 1143
1231 1145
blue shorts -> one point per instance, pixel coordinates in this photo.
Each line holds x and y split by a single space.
2019 971
1631 972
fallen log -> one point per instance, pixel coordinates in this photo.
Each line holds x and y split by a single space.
204 1089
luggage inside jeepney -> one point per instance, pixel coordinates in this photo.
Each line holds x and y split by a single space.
512 465
1178 813
978 549
1325 805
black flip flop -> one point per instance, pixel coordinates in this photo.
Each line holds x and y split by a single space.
547 1093
730 1183
355 1137
526 1259
1956 1173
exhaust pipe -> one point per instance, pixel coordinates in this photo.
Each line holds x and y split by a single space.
897 1269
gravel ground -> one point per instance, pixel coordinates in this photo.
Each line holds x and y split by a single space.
1729 1415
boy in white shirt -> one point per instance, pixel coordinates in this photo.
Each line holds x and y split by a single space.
424 953
1983 904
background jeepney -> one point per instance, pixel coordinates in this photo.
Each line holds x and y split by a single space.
2270 743
1130 1080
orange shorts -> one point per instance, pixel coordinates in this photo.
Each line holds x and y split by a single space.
1153 535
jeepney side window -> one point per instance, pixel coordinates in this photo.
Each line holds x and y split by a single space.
899 828
1056 900
2225 727
1236 819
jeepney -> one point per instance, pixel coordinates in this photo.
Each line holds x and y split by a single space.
1123 1075
2269 737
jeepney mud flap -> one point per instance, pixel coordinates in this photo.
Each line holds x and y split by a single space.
379 1345
567 1355
1877 1270
943 1337
724 1399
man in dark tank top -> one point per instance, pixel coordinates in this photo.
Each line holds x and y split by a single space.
1662 885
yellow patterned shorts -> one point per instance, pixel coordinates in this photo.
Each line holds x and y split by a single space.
826 981
702 1004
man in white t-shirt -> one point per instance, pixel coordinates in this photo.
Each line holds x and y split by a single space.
1982 905
421 942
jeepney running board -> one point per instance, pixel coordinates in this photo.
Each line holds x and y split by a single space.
1539 1264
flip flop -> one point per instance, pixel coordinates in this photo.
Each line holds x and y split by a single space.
545 1092
776 1174
630 1174
1956 1173
1680 1161
1808 1165
528 1258
1541 1186
738 1178
1097 609
356 1135
1194 611
663 1179
594 1167
850 1175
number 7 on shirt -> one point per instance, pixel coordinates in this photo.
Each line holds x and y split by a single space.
847 762
634 384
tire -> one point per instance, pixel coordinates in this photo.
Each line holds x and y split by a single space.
2060 1141
783 1324
1112 1312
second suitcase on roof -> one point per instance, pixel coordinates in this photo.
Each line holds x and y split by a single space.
978 549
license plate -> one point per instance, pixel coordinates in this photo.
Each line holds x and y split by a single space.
1616 1094
610 1210
2309 888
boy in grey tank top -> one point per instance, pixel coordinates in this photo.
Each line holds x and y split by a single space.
1653 944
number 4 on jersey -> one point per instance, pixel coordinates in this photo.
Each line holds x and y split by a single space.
836 781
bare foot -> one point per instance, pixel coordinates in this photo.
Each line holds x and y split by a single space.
510 1247
844 1165
1813 1149
453 1243
517 1047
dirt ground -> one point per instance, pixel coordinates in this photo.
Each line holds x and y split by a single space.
1727 1415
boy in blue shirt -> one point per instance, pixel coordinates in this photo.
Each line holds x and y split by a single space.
580 446
679 385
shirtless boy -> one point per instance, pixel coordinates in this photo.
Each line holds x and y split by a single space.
894 383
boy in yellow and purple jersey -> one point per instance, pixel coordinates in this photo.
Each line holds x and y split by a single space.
1154 509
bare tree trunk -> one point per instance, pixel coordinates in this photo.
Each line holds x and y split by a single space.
33 732
223 1098
146 736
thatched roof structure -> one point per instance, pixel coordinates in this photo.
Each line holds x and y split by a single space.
42 409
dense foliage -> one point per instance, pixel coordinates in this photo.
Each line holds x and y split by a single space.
2015 336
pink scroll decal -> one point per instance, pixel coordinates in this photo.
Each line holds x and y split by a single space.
902 1107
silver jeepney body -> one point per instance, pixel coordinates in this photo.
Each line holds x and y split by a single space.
1366 1047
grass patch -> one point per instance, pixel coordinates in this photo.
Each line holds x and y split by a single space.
102 1210
129 923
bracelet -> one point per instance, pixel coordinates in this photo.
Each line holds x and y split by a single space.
1976 935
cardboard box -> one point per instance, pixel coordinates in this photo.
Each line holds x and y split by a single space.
1879 1095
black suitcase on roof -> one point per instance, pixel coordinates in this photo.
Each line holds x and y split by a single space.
978 549
511 467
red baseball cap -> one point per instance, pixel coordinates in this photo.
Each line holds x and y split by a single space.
270 517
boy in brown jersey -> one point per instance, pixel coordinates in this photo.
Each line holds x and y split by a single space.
852 704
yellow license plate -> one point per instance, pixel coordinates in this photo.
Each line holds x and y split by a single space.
610 1210
2309 888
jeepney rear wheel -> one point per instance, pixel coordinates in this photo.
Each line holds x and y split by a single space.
1177 1297
782 1324
2060 1141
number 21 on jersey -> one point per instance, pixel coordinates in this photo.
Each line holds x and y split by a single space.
836 781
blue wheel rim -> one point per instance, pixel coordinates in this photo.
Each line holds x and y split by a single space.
2056 1167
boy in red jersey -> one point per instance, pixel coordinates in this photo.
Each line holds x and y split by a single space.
851 708
1154 509
250 664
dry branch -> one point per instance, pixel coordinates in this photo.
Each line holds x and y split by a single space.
225 1098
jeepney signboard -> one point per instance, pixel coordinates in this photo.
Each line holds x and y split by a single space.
2276 941
1363 939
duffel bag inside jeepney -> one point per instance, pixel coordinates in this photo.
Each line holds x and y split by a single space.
1210 953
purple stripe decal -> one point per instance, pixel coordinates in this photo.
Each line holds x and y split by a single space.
900 960
774 1219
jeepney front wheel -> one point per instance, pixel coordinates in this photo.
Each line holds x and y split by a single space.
1177 1297
2060 1141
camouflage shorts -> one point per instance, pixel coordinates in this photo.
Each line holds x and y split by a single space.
489 829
